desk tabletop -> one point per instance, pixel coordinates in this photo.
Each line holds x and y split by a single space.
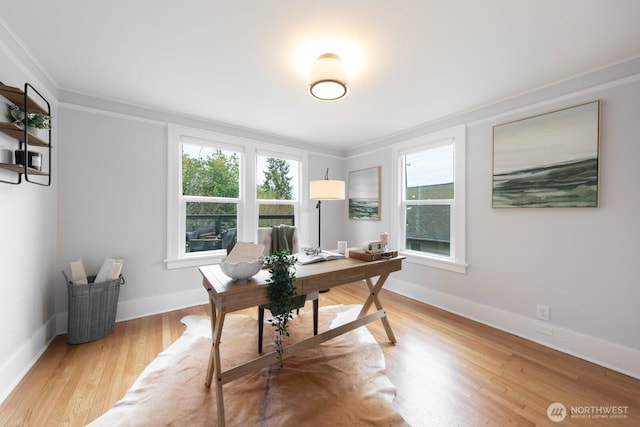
231 296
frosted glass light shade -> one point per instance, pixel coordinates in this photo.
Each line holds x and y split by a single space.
326 189
327 79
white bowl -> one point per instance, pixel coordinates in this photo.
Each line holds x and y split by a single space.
241 271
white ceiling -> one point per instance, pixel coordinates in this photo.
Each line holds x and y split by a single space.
234 62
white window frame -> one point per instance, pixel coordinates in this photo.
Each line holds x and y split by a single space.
296 201
456 261
247 204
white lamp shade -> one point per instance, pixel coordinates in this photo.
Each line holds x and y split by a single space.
327 79
326 189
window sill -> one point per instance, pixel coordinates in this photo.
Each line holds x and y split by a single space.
195 260
441 263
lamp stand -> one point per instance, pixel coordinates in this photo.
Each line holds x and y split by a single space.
319 207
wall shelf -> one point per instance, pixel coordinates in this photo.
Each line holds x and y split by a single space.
20 169
16 96
18 133
26 139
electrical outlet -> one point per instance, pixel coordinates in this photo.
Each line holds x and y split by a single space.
542 312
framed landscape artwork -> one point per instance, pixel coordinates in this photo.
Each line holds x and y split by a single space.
364 194
550 160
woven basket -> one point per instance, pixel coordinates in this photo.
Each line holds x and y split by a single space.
92 309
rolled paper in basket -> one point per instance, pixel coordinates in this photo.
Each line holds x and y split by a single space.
78 275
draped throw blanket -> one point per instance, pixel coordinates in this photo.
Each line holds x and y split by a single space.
282 238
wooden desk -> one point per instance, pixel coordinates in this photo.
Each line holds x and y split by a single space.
225 296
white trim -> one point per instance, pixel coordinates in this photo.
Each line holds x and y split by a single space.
279 154
173 189
608 76
247 206
440 139
457 260
372 149
107 113
609 355
555 102
435 262
14 369
149 306
142 307
195 260
28 65
276 202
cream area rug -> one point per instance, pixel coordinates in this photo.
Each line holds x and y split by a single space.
339 383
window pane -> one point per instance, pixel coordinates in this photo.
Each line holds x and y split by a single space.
208 171
277 179
210 226
428 229
429 174
275 215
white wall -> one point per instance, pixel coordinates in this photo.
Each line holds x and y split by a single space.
332 215
360 231
108 198
579 262
113 203
28 216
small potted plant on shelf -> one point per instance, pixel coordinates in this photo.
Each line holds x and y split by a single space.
282 295
34 120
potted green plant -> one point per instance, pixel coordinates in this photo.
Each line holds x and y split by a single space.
34 120
282 296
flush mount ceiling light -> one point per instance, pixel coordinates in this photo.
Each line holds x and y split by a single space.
328 78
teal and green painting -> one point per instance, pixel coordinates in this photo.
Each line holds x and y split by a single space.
549 160
363 208
364 194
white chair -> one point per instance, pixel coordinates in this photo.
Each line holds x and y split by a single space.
264 238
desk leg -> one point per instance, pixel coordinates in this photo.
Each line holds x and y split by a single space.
216 369
217 321
374 290
207 381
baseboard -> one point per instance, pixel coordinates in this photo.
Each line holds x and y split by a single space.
15 368
603 353
142 307
160 304
609 355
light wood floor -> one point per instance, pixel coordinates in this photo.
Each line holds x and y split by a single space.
449 371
